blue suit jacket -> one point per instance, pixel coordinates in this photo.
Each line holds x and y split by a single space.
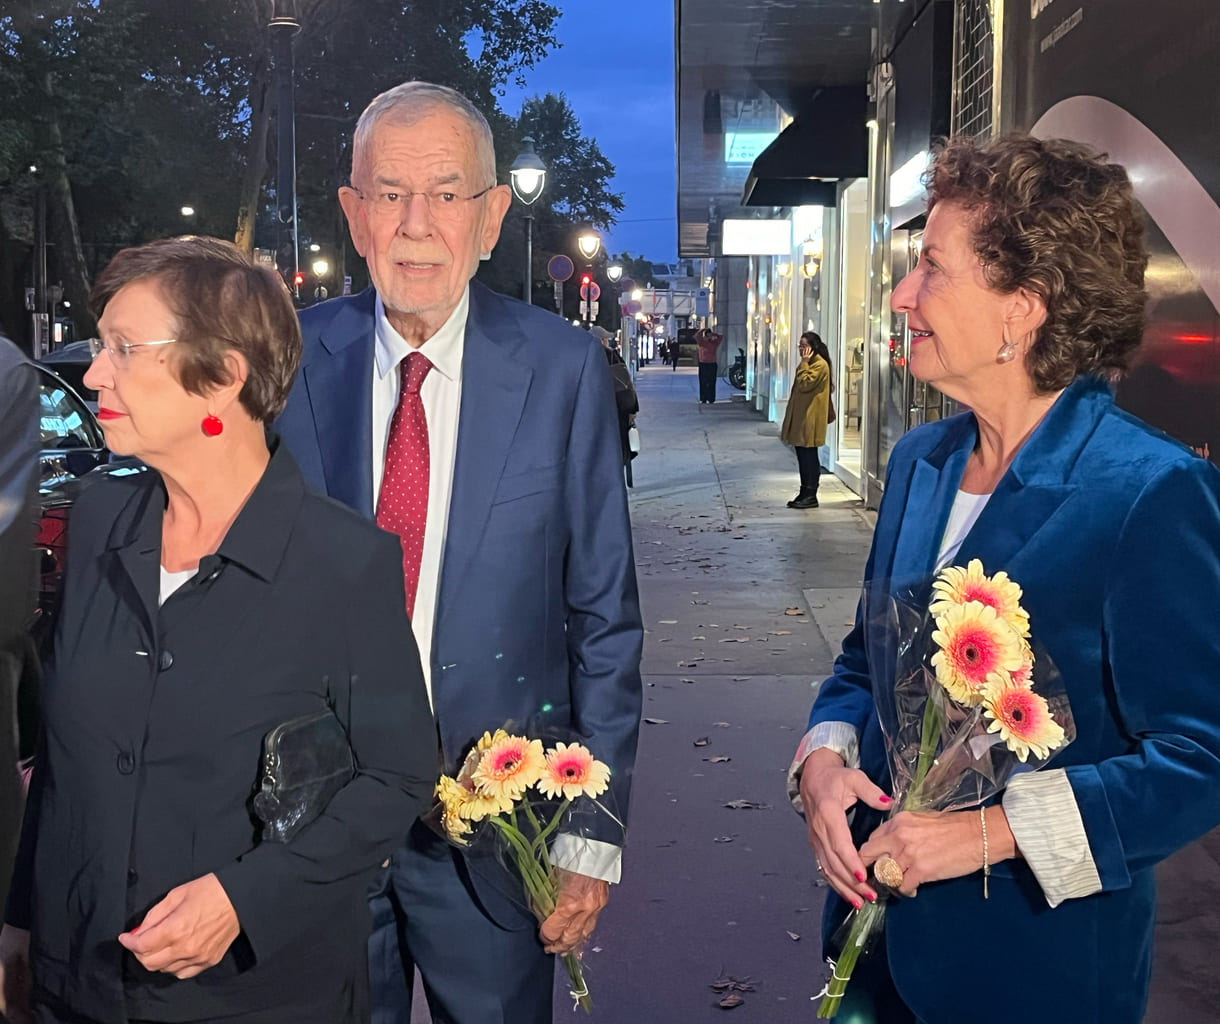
1113 531
538 619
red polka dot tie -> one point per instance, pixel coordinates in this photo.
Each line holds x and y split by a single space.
402 506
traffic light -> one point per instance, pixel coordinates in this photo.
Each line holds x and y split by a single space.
585 280
298 279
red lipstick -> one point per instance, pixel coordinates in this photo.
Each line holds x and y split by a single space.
108 414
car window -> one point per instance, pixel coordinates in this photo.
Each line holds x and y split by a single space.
64 421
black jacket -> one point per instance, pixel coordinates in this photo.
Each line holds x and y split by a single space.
153 728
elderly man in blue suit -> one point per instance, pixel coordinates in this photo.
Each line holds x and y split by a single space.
481 430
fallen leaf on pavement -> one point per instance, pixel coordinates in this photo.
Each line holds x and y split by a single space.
735 640
741 679
747 805
721 725
793 611
794 937
717 760
780 632
702 741
698 638
667 622
730 1001
732 984
723 839
688 680
657 721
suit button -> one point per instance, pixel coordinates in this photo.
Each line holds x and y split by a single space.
166 660
132 876
126 763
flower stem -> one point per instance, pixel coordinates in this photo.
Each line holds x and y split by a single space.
929 740
865 923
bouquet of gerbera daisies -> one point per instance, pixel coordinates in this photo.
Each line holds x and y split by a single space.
971 705
513 791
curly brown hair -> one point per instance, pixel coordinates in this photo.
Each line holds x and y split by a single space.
221 302
1054 217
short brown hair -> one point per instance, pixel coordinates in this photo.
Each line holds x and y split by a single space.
222 302
1054 217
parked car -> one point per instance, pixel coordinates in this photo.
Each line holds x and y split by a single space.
71 362
72 457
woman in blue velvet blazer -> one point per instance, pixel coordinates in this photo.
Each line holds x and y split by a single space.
1028 294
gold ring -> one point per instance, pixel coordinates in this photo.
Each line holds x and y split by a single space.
888 872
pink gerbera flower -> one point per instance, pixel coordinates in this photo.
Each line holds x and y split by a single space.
509 766
975 645
571 771
1022 718
956 585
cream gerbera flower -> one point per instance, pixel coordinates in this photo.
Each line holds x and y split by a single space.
571 771
509 766
475 754
1022 718
956 585
975 645
451 794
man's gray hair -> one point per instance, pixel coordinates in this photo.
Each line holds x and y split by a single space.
410 102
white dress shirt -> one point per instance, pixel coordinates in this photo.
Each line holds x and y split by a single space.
1040 806
441 394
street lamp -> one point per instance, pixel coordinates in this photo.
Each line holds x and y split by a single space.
283 26
187 211
614 272
588 242
528 177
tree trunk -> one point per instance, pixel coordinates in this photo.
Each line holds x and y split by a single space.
256 155
69 253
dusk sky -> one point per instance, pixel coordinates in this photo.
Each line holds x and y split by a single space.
616 66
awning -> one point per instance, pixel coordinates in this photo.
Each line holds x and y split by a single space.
827 141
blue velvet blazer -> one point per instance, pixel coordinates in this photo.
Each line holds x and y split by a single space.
1113 531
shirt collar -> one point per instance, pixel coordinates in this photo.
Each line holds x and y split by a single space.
443 349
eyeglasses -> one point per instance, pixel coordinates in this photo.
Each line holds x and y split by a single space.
442 205
120 352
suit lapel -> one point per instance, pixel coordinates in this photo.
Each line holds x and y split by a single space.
934 482
494 389
135 541
345 427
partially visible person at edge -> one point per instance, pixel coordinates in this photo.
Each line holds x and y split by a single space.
19 441
207 601
1028 295
481 430
805 418
626 401
708 343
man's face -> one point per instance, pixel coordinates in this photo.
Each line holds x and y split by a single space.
422 249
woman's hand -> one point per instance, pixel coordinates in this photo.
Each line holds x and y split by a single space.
828 790
15 982
188 931
935 845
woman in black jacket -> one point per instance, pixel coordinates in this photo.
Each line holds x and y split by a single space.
209 600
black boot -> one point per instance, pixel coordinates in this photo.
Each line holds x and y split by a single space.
808 500
801 495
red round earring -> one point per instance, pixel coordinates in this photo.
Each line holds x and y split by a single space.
212 426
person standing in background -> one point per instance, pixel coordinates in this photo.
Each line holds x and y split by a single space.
19 442
805 419
709 349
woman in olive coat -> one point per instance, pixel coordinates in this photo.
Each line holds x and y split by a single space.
805 421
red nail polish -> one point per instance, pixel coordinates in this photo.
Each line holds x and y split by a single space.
886 800
872 897
856 902
860 876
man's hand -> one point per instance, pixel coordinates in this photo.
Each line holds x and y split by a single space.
15 975
581 899
188 931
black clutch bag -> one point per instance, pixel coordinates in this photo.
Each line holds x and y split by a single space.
306 761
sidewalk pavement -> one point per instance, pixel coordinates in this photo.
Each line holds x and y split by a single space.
745 602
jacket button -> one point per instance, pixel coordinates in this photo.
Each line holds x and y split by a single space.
126 763
132 876
166 660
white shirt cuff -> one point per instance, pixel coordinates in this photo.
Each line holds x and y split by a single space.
589 857
841 737
1045 819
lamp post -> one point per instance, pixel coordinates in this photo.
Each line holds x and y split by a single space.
615 273
528 177
588 242
283 26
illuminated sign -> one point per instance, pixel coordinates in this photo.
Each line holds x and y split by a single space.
756 237
744 147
